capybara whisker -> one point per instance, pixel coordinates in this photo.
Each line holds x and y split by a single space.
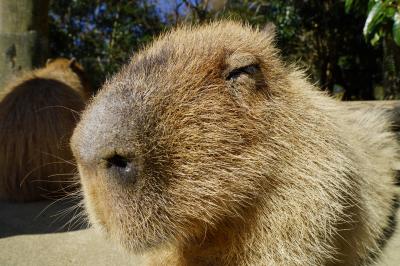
62 160
35 169
60 106
77 219
73 175
75 114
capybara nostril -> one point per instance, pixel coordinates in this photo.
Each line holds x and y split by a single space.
117 161
121 168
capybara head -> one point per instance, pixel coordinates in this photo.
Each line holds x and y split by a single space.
175 141
71 67
200 128
38 113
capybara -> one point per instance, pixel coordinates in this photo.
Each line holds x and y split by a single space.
207 149
38 113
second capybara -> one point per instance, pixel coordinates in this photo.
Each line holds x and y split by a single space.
207 149
38 112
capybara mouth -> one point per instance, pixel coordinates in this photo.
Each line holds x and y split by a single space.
108 208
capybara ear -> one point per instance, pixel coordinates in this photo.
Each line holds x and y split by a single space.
72 62
49 61
270 30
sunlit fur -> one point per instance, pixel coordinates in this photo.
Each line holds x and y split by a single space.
38 112
262 169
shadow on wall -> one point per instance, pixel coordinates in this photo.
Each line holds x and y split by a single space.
40 217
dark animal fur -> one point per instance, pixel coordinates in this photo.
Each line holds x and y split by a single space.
37 116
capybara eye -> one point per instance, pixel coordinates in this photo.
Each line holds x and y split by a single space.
249 70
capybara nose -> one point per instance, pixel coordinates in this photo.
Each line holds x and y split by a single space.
121 168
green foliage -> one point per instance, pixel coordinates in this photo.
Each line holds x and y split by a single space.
382 26
396 28
348 5
102 34
375 17
381 14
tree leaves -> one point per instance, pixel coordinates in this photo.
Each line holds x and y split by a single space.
381 14
396 28
102 33
348 5
375 17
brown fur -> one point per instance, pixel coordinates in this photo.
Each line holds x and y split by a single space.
232 167
38 112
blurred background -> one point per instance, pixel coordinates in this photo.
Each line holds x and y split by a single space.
350 48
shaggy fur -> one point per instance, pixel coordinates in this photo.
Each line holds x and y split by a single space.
206 149
37 115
